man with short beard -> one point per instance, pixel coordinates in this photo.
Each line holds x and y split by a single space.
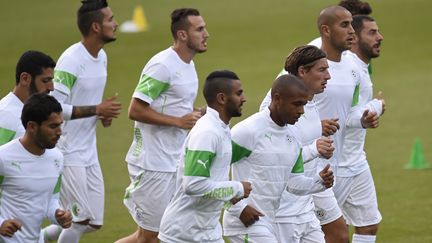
162 108
34 74
31 172
203 185
79 83
355 190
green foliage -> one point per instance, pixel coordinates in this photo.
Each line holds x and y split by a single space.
252 38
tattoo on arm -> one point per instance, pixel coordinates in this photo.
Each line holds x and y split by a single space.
83 111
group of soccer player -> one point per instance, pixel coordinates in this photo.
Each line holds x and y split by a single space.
298 168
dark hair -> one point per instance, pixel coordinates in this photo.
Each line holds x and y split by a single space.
179 19
356 7
38 108
305 56
286 84
218 82
33 62
88 13
358 21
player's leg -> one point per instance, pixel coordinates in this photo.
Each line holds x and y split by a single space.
74 197
288 232
146 199
313 232
260 235
361 208
330 217
96 197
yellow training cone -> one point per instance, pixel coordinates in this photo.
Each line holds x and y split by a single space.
138 22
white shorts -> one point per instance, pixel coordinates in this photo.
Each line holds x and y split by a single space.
265 235
309 232
83 193
326 207
148 196
357 199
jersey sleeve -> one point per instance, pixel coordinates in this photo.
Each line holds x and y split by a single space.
53 203
266 101
9 129
200 154
66 74
310 152
242 142
299 184
152 83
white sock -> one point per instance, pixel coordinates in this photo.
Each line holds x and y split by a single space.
363 238
72 234
51 232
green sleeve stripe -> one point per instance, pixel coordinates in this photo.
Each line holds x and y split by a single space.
246 238
239 152
65 78
57 186
198 163
356 96
151 87
298 167
6 135
1 180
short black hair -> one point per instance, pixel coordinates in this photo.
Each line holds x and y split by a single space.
38 108
219 81
88 13
356 7
33 63
305 56
286 84
179 19
358 21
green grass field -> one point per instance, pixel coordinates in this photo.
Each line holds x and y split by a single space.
252 38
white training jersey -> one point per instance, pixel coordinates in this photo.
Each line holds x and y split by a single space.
316 42
340 100
10 118
79 80
170 86
353 160
268 156
300 209
30 186
293 208
203 186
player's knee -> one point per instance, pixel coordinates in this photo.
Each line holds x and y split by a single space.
367 230
146 236
93 227
84 222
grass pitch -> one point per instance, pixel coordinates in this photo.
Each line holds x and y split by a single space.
252 38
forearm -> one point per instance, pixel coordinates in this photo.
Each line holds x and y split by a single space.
142 112
197 186
61 97
310 152
83 111
53 205
355 116
300 185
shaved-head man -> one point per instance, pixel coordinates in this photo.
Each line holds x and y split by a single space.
338 106
267 152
